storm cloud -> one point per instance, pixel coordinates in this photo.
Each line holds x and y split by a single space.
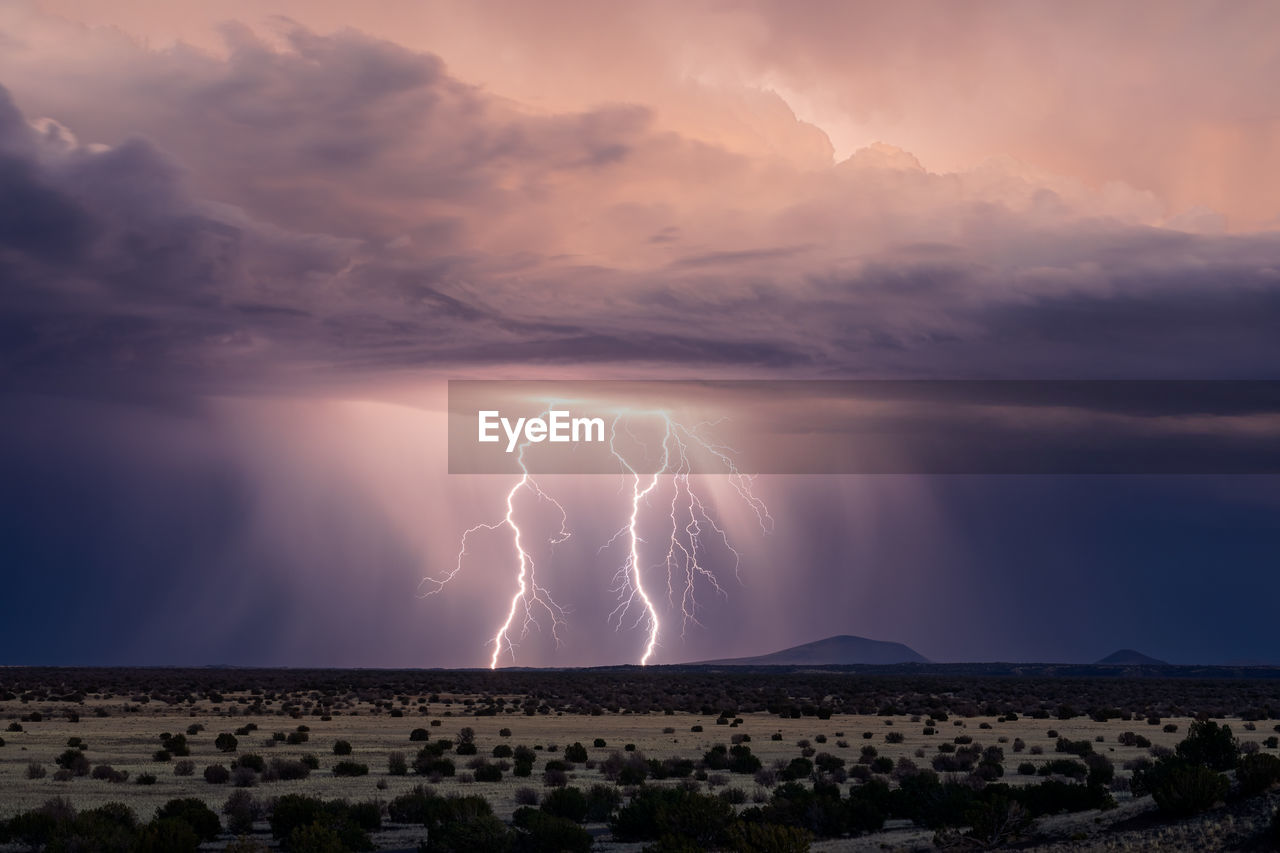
247 250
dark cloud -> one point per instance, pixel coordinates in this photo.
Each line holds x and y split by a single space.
346 203
196 246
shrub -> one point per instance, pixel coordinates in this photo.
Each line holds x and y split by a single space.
428 763
488 773
315 838
185 767
241 810
168 836
1209 744
502 750
1052 796
1179 787
456 824
568 803
226 742
341 747
1101 770
699 820
538 831
741 760
865 811
1064 767
419 734
216 774
996 821
350 768
1073 747
285 769
802 768
74 761
175 745
600 743
195 814
767 838
35 770
416 806
244 777
107 773
819 810
602 801
146 779
894 737
396 764
37 828
1256 773
297 738
252 761
1185 790
1026 768
294 812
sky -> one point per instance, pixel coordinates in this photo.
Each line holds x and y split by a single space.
244 246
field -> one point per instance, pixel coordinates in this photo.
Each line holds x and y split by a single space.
120 725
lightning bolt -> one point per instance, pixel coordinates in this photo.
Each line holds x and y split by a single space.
685 561
630 584
685 555
529 596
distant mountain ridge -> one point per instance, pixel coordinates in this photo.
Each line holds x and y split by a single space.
842 650
1129 657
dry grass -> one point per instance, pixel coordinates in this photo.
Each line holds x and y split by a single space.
127 740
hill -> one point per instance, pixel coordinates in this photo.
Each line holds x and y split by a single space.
842 650
1128 657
